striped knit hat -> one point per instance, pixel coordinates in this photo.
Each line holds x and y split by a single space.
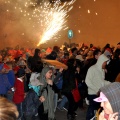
112 92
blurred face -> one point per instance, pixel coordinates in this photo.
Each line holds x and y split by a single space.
75 52
49 74
97 56
107 107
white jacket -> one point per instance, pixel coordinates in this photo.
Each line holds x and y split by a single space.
95 78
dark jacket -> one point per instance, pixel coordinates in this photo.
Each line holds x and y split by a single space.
31 103
68 81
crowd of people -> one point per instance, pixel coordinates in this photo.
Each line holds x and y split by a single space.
37 89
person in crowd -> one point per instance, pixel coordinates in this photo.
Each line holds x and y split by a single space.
46 109
106 47
8 110
90 61
74 53
57 76
53 54
65 57
11 79
110 102
68 85
113 68
62 104
95 79
31 101
23 65
33 60
43 54
5 85
81 84
19 93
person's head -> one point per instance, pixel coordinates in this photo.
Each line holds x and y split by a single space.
118 45
74 51
71 63
21 73
89 55
109 98
8 110
108 52
21 64
56 49
66 55
102 61
47 72
38 67
96 53
43 53
37 52
117 54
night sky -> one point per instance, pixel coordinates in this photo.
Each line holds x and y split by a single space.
92 21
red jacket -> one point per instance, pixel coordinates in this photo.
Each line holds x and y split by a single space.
19 91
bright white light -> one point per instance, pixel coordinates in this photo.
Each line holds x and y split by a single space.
56 19
79 31
45 19
88 11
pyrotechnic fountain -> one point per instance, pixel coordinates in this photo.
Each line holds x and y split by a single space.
45 19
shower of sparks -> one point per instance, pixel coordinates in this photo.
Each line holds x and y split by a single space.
45 18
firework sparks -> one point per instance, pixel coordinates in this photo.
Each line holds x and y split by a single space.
45 19
56 22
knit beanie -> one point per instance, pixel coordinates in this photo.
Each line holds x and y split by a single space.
21 72
112 92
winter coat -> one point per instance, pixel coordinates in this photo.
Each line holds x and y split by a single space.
18 96
68 80
4 83
31 103
95 78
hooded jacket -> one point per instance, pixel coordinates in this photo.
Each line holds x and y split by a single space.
112 92
95 78
48 93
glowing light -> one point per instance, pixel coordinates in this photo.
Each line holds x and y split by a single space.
44 20
54 24
88 11
96 13
79 31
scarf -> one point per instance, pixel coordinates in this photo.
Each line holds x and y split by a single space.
48 93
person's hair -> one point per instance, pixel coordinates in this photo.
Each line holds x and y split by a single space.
96 52
8 110
73 49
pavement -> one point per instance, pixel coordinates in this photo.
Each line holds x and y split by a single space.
62 115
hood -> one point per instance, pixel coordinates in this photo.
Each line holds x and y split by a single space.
43 73
112 92
102 58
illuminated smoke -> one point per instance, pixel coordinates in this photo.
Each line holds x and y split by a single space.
40 21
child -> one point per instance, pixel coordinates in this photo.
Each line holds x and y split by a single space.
19 94
32 102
